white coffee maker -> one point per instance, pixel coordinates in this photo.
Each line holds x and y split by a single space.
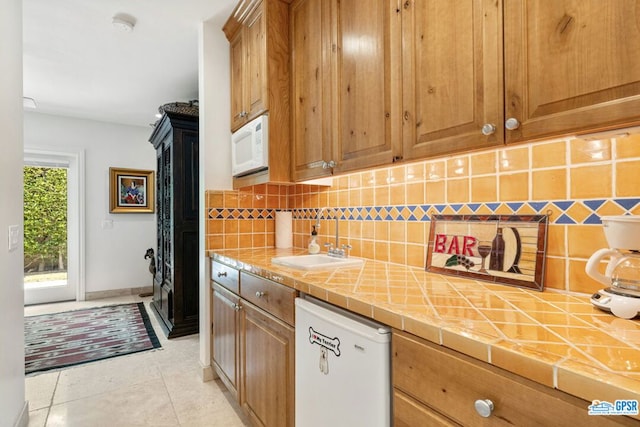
622 274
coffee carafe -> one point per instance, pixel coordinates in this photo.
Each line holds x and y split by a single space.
622 274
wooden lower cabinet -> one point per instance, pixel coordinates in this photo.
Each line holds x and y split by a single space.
226 342
437 386
253 343
268 357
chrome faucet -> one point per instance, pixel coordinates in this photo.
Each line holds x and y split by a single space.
338 252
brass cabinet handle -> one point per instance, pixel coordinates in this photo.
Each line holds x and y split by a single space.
260 294
222 274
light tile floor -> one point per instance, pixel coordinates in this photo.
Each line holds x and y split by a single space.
154 388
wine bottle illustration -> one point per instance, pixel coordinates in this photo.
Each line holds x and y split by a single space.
496 261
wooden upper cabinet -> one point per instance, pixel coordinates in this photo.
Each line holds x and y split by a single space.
238 78
310 88
257 85
365 65
378 81
452 76
571 66
244 30
258 33
346 85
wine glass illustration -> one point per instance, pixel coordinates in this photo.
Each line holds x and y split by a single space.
484 249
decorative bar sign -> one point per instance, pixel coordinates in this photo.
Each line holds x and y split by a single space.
503 249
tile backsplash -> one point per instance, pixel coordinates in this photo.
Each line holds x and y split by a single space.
384 214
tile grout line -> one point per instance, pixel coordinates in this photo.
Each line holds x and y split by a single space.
55 388
166 389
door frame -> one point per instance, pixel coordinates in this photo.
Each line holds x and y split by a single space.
75 161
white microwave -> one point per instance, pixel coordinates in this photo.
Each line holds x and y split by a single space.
250 147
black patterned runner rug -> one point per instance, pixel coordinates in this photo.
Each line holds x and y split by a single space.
81 336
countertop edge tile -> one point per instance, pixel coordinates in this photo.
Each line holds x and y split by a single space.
422 329
469 345
587 383
524 362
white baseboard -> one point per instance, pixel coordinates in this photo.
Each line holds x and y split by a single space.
207 373
23 419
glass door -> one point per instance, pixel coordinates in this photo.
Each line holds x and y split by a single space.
50 256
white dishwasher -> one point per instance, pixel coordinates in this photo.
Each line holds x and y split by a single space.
343 370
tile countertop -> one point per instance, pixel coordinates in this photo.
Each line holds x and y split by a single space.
556 339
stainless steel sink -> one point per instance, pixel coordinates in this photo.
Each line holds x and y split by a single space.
316 262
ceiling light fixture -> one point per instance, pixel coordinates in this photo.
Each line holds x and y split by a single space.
29 103
123 22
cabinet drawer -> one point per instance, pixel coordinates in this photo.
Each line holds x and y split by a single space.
450 383
408 412
225 276
274 298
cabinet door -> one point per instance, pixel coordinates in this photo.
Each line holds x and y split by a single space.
571 66
452 83
268 369
160 207
366 82
226 337
163 280
311 144
256 72
238 78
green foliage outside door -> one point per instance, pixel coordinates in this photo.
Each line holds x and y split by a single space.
45 219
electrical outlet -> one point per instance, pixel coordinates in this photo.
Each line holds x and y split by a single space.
14 237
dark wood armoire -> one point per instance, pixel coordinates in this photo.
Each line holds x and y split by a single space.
175 287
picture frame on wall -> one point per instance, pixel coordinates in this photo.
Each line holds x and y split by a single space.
131 191
502 249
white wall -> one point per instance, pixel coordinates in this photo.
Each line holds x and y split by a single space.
114 257
215 101
215 149
13 410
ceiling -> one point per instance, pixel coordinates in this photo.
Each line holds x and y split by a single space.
77 64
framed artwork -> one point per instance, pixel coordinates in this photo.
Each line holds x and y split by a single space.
131 191
503 249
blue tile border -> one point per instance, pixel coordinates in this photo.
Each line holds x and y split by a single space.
422 212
